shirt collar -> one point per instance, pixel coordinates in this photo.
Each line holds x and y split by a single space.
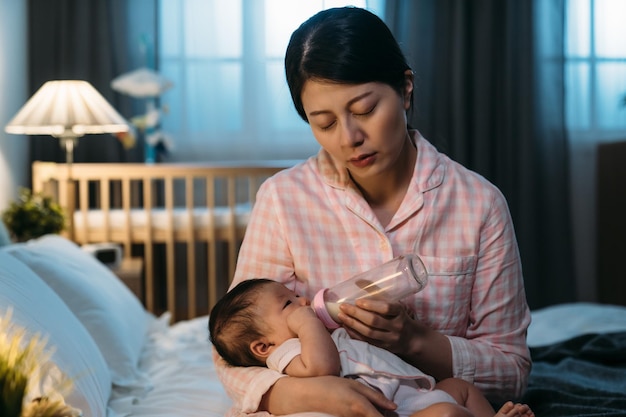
430 168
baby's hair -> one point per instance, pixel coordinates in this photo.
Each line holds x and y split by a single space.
233 323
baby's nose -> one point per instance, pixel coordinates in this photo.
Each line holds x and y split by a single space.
304 301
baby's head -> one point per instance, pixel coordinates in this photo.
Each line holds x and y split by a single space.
235 322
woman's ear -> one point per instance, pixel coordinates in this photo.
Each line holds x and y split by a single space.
261 348
408 88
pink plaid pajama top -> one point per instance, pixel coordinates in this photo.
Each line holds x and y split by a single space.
311 228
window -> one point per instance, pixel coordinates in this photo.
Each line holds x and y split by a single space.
596 69
595 65
230 99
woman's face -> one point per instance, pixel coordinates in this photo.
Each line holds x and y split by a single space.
362 126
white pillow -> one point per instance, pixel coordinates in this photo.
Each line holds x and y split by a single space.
104 305
39 310
5 239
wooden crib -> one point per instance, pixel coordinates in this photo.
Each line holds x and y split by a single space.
186 220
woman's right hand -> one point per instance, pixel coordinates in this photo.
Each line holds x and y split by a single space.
333 395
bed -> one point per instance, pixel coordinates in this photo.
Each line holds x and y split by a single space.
184 220
124 360
579 361
128 362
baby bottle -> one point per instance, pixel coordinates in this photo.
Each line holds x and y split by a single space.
391 281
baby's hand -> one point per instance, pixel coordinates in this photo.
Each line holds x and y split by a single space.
301 316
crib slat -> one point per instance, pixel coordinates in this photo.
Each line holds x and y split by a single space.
191 248
149 244
106 206
126 200
63 200
169 246
253 186
211 241
83 192
146 217
232 227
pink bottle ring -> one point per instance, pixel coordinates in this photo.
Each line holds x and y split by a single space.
319 307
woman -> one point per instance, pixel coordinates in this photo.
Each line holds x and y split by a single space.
375 190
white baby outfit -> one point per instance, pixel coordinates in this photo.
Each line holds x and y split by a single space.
407 386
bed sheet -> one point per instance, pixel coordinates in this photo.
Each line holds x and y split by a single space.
183 382
579 361
561 322
160 217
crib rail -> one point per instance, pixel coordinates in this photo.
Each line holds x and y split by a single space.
185 219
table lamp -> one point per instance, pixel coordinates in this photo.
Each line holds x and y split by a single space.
67 110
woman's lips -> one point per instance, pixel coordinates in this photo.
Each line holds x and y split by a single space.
363 161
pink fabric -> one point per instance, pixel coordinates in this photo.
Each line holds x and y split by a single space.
311 228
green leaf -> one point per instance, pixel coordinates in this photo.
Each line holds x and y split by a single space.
33 215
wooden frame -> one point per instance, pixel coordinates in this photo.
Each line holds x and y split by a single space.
166 204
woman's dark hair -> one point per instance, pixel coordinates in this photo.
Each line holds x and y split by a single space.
233 324
346 45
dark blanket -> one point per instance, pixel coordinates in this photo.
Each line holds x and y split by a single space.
583 376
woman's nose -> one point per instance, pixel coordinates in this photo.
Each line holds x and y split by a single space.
352 135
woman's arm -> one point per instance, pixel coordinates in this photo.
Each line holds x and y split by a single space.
494 354
341 397
490 350
245 385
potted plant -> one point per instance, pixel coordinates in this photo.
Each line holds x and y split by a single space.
33 215
23 365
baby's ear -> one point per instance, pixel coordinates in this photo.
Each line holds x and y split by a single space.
261 348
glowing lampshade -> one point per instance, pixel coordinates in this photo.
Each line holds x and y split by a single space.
67 109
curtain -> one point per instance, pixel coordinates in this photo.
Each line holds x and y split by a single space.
490 94
93 40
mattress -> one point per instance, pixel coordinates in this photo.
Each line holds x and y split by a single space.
160 218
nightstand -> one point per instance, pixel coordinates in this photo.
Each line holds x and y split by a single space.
130 272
